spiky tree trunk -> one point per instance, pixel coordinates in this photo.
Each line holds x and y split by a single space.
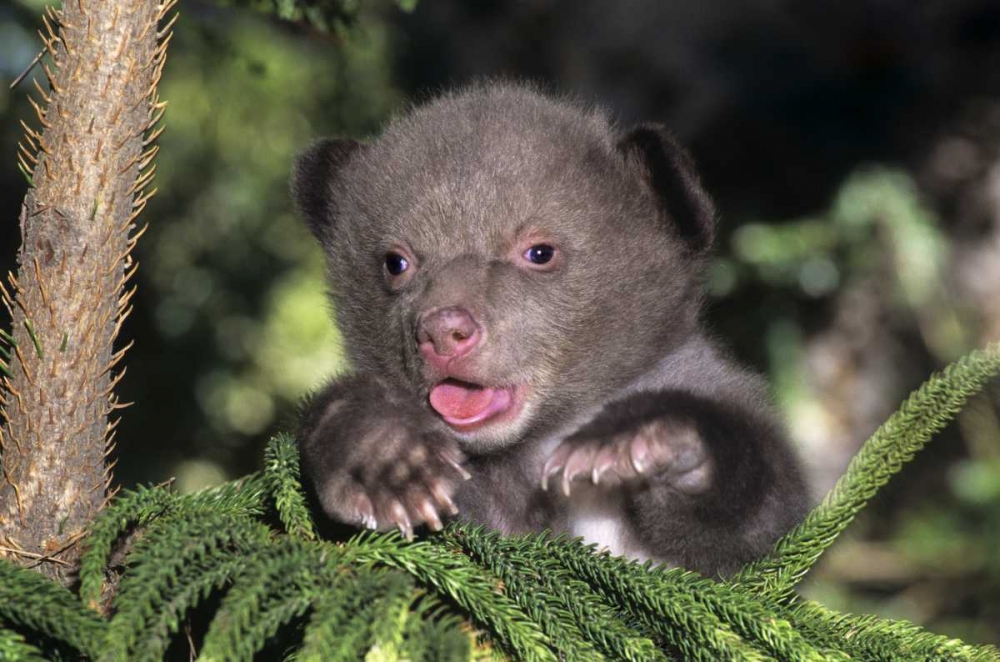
89 164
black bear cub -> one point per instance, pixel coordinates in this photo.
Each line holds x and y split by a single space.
518 284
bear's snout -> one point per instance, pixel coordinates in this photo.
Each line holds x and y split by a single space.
444 334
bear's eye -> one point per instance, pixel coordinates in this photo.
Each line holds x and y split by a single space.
540 254
396 264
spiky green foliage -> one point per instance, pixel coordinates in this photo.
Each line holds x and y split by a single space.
342 624
458 578
13 648
164 581
277 583
134 509
894 444
129 509
873 638
281 461
434 634
247 553
568 609
324 15
31 602
702 618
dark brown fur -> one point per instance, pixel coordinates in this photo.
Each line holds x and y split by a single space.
606 340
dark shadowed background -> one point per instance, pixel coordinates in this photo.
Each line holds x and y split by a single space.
853 149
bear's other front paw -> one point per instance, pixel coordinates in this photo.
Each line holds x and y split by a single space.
659 450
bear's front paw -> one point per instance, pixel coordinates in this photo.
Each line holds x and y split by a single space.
661 451
392 476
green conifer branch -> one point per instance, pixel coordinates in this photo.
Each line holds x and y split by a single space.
392 614
435 633
674 614
195 582
340 628
522 581
275 612
752 617
923 414
131 508
245 496
545 589
31 601
325 636
163 579
873 638
13 648
281 462
985 653
157 560
464 582
286 570
136 508
350 642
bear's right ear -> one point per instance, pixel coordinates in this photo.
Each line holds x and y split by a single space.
313 173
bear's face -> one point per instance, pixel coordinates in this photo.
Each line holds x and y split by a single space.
508 260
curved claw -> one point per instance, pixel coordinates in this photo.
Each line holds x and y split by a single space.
402 520
638 454
365 512
440 494
457 466
579 463
552 466
430 515
605 460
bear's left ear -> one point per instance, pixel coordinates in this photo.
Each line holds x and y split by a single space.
313 173
669 172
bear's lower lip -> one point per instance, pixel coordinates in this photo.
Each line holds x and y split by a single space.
466 406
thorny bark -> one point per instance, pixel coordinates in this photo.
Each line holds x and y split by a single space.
90 164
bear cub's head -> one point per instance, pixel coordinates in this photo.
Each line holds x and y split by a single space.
506 257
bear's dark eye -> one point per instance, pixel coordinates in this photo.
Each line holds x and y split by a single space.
539 254
395 264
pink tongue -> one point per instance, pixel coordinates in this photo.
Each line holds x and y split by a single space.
464 403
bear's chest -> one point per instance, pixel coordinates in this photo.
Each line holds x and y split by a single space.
599 517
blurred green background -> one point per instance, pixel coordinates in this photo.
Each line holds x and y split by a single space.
854 152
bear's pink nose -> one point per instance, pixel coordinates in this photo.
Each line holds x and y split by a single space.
447 333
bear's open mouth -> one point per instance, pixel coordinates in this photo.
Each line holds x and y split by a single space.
466 406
